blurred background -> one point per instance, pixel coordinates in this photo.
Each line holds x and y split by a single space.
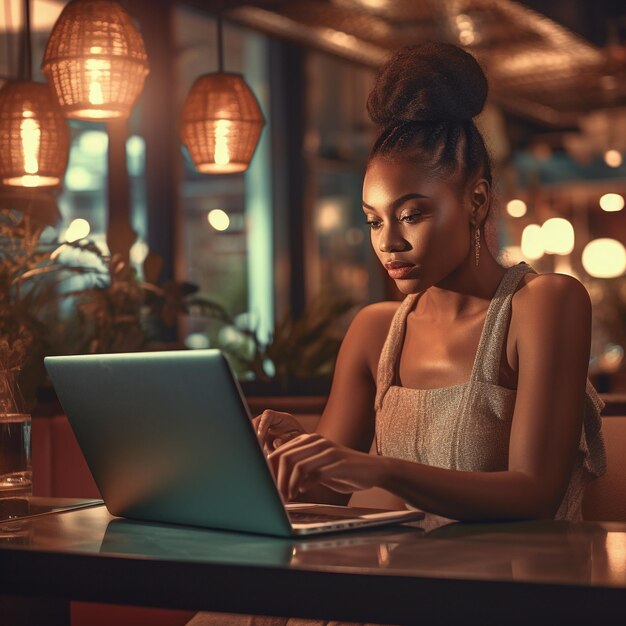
286 240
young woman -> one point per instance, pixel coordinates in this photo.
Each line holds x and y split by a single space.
475 386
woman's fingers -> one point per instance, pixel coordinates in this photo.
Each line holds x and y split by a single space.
275 428
275 423
294 462
310 471
309 460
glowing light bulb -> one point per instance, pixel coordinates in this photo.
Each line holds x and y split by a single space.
516 208
604 258
613 158
30 134
218 219
611 202
532 242
96 72
558 236
222 152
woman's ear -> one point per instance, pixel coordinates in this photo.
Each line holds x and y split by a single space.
480 200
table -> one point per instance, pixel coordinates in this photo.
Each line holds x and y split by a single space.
507 573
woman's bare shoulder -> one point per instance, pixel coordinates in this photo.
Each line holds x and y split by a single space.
551 289
375 319
370 328
380 311
546 299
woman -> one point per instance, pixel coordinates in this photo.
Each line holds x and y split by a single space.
475 386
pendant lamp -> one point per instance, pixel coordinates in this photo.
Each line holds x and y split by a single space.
221 120
95 60
34 135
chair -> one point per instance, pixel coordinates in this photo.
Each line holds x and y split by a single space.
605 498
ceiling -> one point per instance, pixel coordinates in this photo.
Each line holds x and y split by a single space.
551 67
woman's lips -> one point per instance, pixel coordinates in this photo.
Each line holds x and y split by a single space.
399 269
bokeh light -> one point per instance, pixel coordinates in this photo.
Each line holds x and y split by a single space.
516 208
558 236
138 252
613 158
197 341
511 255
218 219
532 242
328 217
604 258
77 230
611 202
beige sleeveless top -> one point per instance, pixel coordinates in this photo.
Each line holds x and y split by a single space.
467 426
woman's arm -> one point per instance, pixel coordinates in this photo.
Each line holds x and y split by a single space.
553 341
348 418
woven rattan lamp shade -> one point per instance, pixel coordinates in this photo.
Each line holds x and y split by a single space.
34 136
221 122
95 60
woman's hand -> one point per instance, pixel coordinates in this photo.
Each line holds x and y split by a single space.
310 459
274 428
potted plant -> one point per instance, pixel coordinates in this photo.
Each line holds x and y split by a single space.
73 298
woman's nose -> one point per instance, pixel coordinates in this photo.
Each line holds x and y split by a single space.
391 241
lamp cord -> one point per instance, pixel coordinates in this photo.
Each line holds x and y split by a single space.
220 43
8 18
27 70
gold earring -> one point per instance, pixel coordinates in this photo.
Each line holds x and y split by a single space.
477 244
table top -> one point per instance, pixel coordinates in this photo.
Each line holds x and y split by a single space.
192 567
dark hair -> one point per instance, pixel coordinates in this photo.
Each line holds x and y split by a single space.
424 99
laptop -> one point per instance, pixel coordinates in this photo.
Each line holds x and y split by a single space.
168 438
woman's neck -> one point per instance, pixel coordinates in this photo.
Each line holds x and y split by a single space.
463 293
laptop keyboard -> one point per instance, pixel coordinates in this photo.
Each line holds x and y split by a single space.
302 517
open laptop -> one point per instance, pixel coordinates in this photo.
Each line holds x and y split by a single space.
168 437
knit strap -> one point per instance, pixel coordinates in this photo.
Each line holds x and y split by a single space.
390 354
486 366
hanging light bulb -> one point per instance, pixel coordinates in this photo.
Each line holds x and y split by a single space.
95 60
221 121
34 136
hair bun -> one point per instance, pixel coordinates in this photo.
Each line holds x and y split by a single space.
430 82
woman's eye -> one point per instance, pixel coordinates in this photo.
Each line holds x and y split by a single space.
373 224
411 218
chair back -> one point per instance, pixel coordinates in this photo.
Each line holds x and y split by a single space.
605 498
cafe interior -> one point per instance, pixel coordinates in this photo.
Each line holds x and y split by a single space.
139 219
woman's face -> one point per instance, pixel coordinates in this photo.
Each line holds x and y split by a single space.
420 224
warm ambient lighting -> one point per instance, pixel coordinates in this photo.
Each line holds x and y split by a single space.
516 208
221 123
532 242
557 235
604 258
95 60
613 158
611 202
34 136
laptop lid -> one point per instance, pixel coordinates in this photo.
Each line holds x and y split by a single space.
164 438
168 438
